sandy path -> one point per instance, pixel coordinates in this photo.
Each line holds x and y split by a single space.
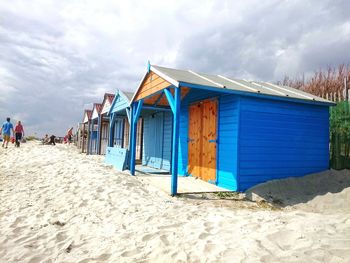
61 206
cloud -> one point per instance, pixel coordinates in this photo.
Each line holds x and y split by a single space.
57 57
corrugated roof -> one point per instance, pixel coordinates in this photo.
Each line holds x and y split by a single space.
176 76
129 95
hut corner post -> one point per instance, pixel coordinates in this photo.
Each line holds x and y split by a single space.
135 113
175 104
111 129
82 136
99 129
91 125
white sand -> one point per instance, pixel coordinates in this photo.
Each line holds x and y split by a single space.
61 206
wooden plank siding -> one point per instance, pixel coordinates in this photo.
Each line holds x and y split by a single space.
281 139
202 140
152 84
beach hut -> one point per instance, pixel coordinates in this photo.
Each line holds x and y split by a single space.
95 125
85 130
118 145
104 128
234 133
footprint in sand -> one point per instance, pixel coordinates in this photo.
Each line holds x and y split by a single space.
203 236
284 238
164 239
17 221
147 237
170 226
103 257
130 253
60 236
100 189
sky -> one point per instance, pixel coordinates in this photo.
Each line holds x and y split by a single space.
59 57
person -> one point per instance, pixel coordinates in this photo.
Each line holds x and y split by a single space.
19 133
6 131
46 139
52 139
69 135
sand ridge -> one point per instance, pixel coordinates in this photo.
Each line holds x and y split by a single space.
58 205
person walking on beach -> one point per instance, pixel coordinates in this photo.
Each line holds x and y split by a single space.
70 135
19 133
6 131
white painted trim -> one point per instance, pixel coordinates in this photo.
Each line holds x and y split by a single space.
133 97
239 84
86 118
94 114
106 106
262 86
160 74
294 92
207 79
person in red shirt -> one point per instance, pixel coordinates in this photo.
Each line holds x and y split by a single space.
19 133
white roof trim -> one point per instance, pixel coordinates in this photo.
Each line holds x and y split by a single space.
211 81
237 83
133 97
164 76
291 91
275 91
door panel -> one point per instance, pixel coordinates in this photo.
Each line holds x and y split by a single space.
202 140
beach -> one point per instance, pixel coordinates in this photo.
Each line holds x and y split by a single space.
59 205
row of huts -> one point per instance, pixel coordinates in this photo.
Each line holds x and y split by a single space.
230 132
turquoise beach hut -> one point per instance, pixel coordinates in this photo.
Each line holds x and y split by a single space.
118 142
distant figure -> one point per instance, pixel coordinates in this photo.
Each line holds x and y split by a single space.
70 135
46 139
52 140
19 133
6 131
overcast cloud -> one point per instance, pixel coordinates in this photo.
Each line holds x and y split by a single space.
57 57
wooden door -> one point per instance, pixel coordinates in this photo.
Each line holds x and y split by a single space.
202 140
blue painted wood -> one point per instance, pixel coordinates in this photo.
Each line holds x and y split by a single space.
175 145
111 129
135 114
261 139
99 126
281 139
253 95
117 157
120 103
132 140
227 158
170 99
157 140
118 132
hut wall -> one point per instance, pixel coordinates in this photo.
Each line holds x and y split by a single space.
281 139
157 140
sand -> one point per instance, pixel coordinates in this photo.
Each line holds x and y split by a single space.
58 205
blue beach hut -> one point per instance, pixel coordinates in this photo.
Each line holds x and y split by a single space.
104 128
234 133
95 123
